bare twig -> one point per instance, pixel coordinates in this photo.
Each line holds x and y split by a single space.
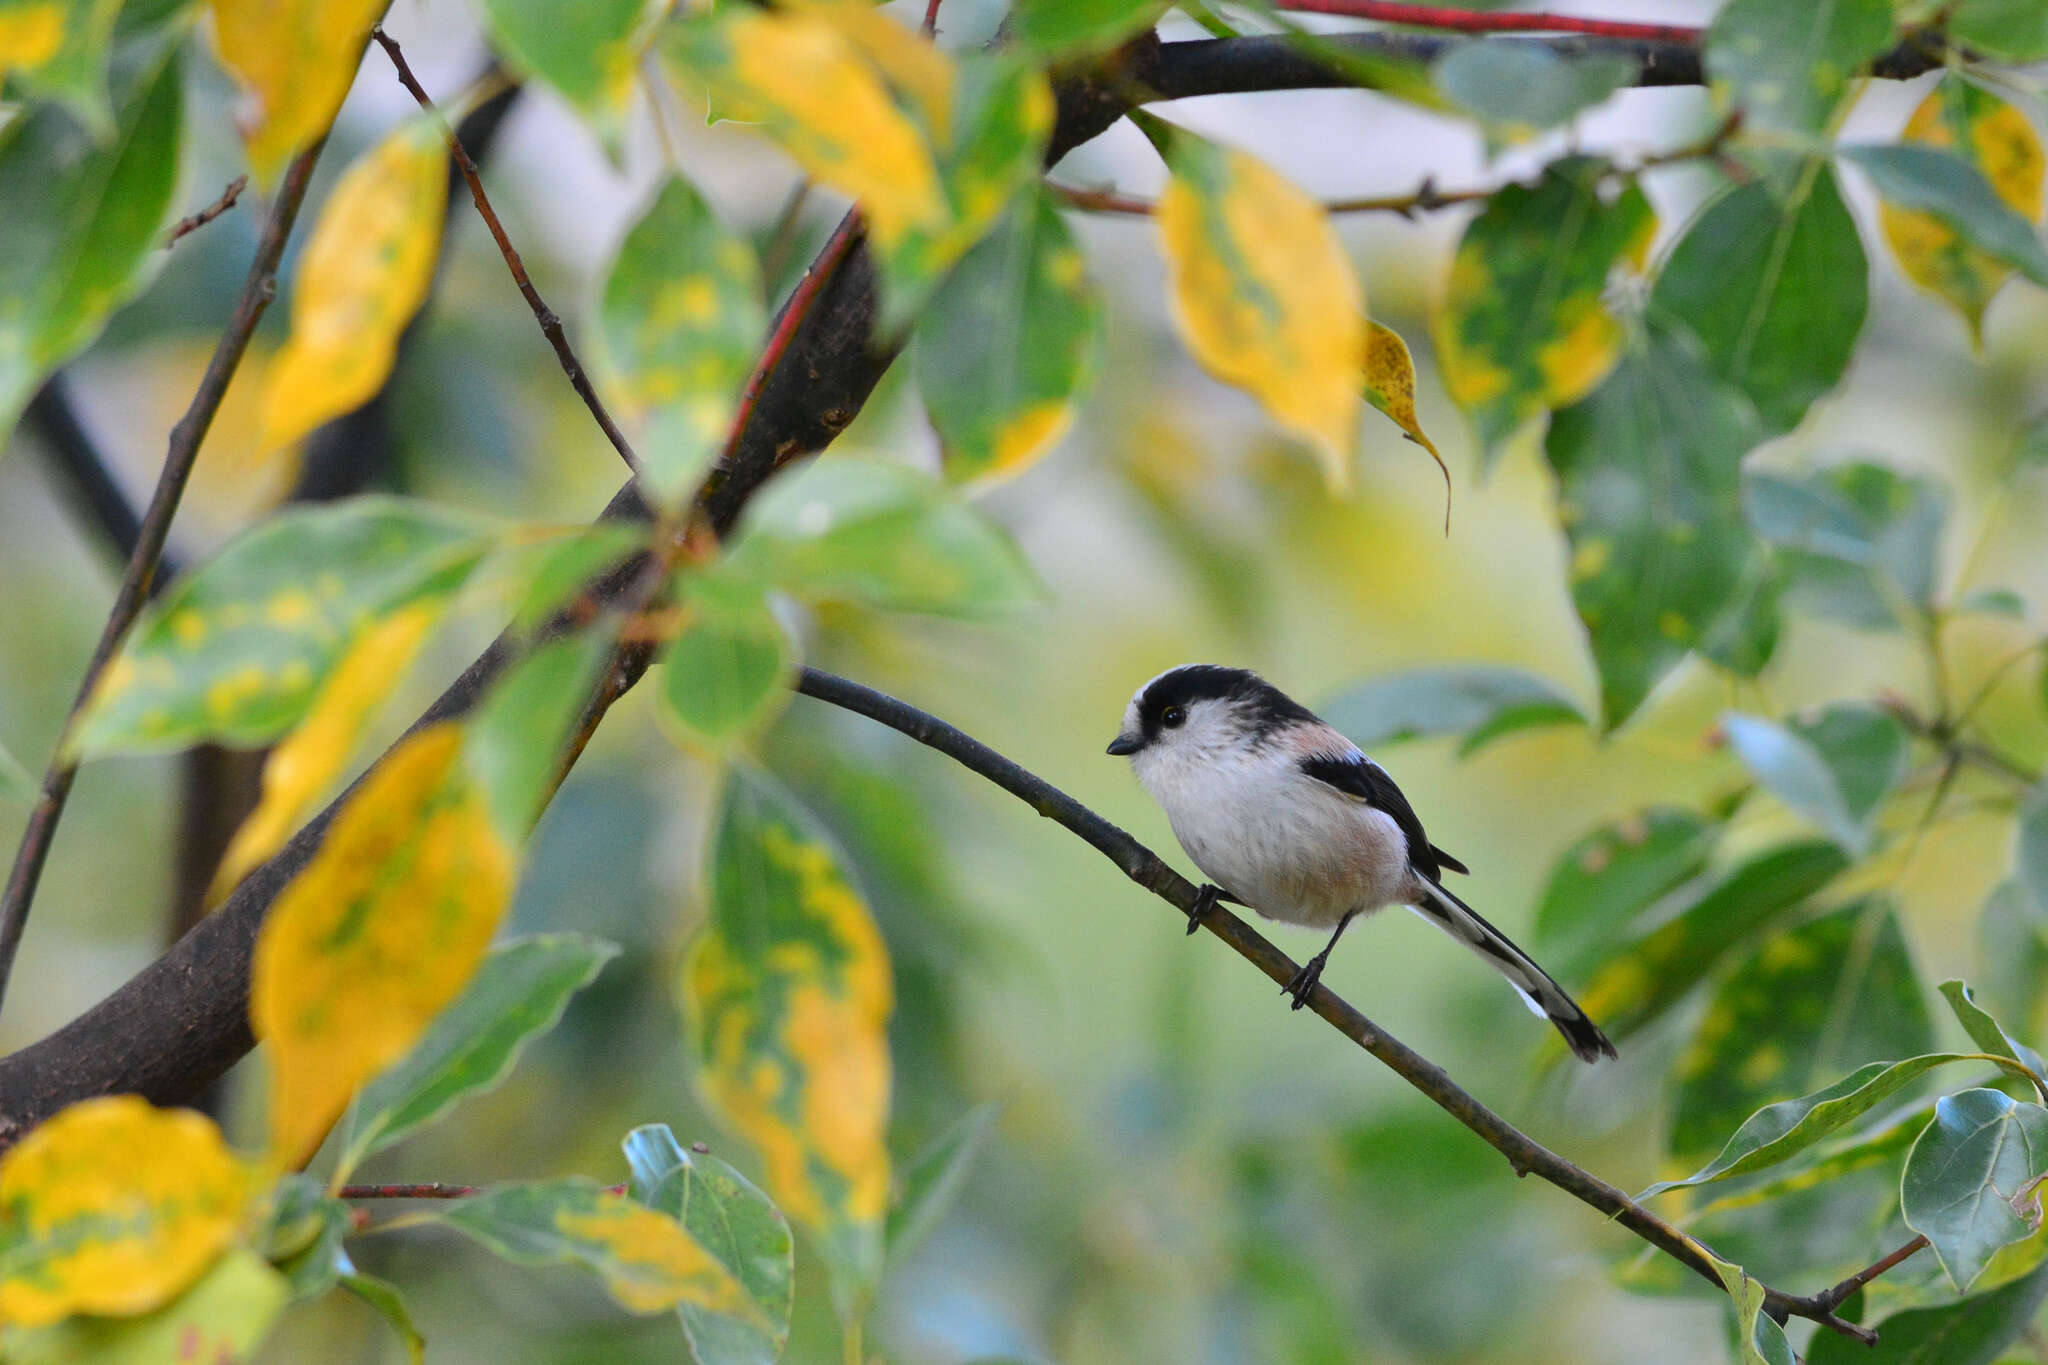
550 323
206 215
1490 21
1836 1295
423 1189
1524 1154
931 18
180 456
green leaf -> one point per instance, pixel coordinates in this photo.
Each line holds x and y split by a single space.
1078 27
1785 1129
82 217
647 1260
1889 1140
1480 701
1861 542
550 576
588 51
1975 1331
1523 327
1008 345
863 530
1775 289
1650 974
2003 30
1807 1003
236 651
1993 602
1608 879
1834 769
2032 859
1648 468
1522 89
303 1236
679 324
739 1226
1929 180
223 1317
933 1181
1990 1035
517 995
59 50
515 746
1787 67
726 673
389 1304
786 998
1966 1171
1760 1340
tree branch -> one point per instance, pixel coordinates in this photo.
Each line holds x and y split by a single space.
191 223
1524 1154
1491 21
183 452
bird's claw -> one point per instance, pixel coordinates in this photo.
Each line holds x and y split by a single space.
1206 897
1303 983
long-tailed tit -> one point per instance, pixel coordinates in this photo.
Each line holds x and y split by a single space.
1286 816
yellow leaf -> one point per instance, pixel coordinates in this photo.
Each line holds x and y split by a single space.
364 274
302 768
1994 137
905 60
1263 293
807 84
787 997
376 934
113 1206
30 34
1390 387
649 1262
296 59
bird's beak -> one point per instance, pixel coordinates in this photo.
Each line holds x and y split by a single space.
1124 745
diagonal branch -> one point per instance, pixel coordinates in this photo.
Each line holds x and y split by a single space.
1526 1155
180 457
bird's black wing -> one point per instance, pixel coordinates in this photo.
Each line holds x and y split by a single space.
1358 776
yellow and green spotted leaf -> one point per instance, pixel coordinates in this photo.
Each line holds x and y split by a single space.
1390 387
1262 292
786 997
238 651
306 765
647 1260
588 51
679 324
1787 67
295 59
82 217
1648 468
221 1320
1523 327
803 83
1807 1005
1984 131
377 933
58 48
364 274
1008 344
113 1207
726 673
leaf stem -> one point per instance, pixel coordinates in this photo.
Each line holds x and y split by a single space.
550 322
181 454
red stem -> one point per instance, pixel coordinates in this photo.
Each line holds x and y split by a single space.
801 299
1488 21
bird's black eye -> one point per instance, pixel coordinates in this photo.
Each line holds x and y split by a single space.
1173 717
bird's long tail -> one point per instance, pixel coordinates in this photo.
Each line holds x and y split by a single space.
1543 995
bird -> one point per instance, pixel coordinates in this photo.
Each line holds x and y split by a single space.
1285 815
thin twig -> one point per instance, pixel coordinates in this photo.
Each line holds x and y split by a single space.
1491 21
425 1189
206 215
180 455
931 18
1835 1296
550 323
1141 865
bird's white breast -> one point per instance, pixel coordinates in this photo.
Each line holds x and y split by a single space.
1291 847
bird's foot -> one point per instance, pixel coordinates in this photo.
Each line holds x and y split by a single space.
1205 900
1303 983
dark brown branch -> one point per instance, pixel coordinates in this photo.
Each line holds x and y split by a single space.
182 453
550 323
1526 1155
188 225
426 1189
